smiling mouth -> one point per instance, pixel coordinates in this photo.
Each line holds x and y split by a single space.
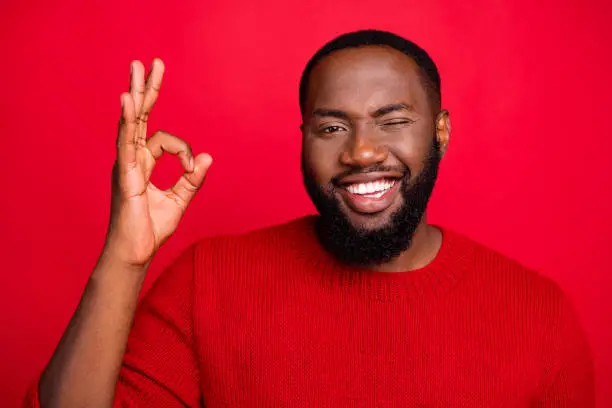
369 197
372 189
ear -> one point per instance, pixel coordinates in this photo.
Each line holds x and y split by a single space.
443 130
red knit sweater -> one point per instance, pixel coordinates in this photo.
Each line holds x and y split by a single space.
269 319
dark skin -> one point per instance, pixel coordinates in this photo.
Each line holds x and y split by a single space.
368 106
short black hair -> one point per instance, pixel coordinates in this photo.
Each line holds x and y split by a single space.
429 72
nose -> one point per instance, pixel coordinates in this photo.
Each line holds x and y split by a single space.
363 152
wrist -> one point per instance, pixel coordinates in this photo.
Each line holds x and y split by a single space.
113 260
120 252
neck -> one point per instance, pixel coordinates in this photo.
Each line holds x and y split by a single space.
423 249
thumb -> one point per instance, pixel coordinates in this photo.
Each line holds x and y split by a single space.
190 182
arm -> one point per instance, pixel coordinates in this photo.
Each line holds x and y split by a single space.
159 363
572 380
84 369
92 346
88 358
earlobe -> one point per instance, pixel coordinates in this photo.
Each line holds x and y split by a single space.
443 130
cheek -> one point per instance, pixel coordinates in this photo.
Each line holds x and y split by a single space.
412 152
320 160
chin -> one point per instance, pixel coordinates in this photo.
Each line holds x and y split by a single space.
368 222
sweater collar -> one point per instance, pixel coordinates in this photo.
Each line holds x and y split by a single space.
453 259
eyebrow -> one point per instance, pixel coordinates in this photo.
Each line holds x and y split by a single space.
322 113
392 108
335 113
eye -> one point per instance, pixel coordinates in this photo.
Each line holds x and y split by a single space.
332 129
396 123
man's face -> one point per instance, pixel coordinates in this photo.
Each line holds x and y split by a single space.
369 155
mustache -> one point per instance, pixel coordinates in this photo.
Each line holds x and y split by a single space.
405 172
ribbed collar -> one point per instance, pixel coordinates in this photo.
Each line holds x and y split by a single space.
454 258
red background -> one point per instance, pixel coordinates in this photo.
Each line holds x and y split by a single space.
527 173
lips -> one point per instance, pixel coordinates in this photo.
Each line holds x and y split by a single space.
369 193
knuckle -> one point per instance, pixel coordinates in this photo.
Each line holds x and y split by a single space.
158 134
169 143
124 143
127 121
184 146
190 187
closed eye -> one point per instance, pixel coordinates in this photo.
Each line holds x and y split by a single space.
398 123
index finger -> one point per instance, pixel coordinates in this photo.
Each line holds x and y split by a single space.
126 137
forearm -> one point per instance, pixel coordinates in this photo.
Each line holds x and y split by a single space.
85 366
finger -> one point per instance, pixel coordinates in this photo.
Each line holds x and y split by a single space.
126 137
153 86
137 85
162 142
188 185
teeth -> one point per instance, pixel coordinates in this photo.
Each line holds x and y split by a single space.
374 188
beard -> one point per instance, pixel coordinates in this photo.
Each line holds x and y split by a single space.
361 246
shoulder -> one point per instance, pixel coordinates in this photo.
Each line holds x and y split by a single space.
538 311
260 254
223 251
240 270
507 279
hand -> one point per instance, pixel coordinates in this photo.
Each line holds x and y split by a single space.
142 216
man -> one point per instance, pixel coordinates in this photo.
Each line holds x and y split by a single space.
365 304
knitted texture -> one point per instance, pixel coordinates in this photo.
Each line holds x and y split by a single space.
269 319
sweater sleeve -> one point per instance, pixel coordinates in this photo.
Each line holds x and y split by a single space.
572 379
159 367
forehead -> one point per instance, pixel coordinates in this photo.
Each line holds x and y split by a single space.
362 79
